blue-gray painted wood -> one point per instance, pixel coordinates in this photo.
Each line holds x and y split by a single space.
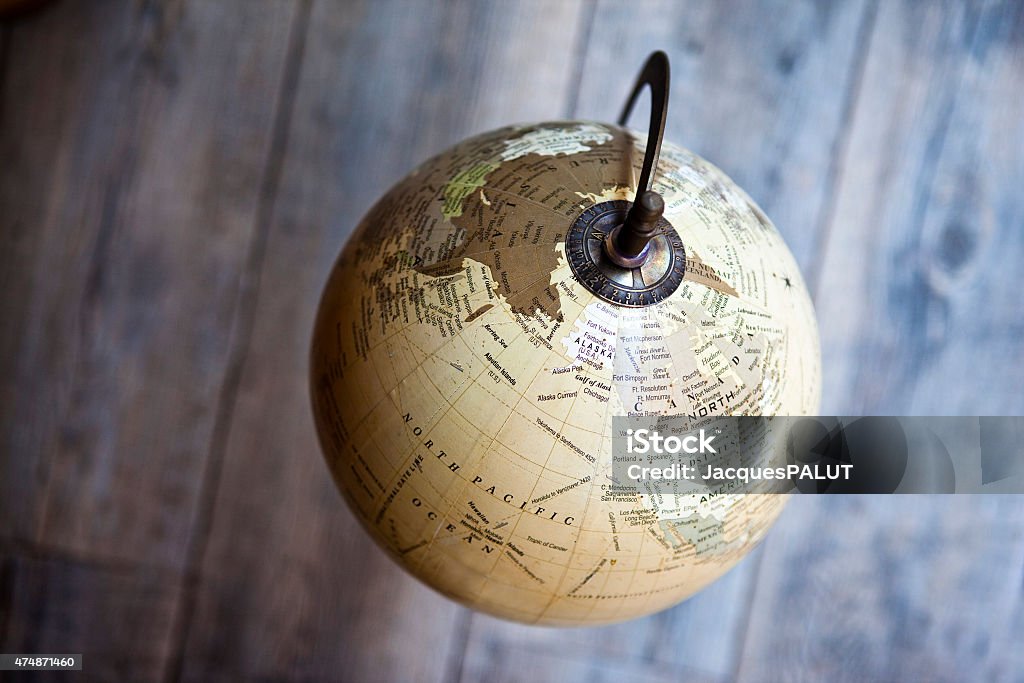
132 143
919 314
894 588
917 300
117 617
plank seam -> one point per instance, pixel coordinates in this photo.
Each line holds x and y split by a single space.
43 552
744 627
7 578
827 213
5 58
242 327
826 219
588 13
460 646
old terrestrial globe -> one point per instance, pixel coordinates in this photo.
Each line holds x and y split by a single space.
495 310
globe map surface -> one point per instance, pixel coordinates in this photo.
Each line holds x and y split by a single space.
463 381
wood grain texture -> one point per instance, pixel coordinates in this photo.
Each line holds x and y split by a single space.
4 42
137 135
508 663
924 588
290 586
119 619
926 242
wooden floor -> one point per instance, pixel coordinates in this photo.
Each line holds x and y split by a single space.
176 178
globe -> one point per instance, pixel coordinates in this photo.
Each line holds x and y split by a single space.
468 358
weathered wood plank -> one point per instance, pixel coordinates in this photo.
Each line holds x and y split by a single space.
4 42
762 91
290 586
916 306
37 116
508 663
916 317
118 618
133 140
907 588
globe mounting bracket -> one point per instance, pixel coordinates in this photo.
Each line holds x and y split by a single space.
638 258
655 75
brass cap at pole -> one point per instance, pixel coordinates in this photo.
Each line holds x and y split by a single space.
628 245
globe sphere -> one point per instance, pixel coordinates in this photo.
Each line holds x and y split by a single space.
464 380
